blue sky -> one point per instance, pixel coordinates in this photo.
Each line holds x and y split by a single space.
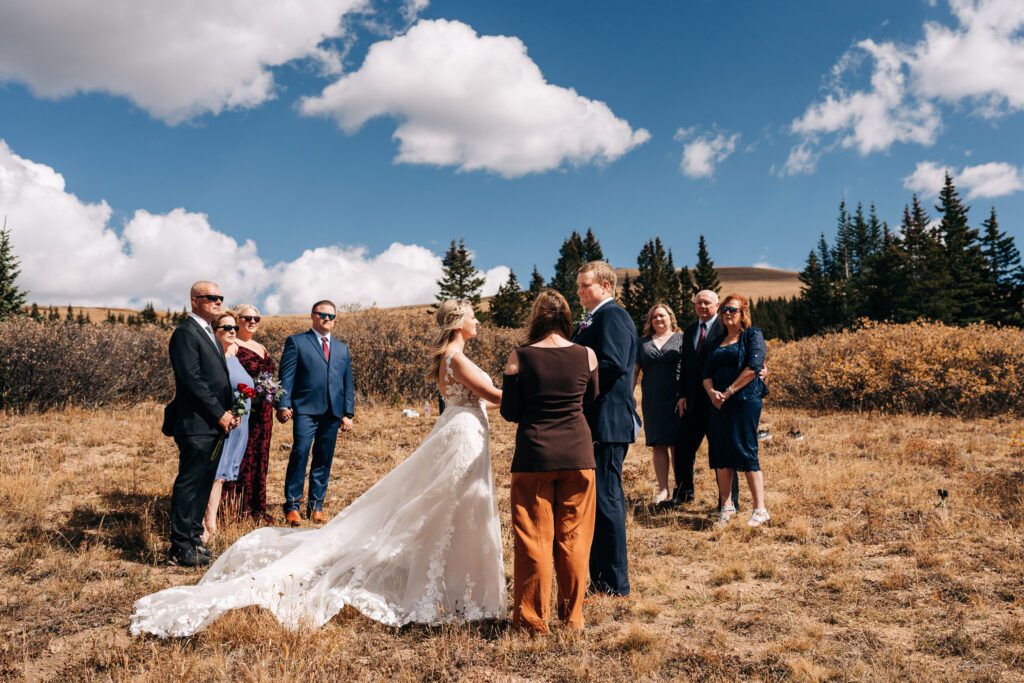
143 149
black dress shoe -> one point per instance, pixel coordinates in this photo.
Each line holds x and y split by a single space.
682 497
189 558
203 550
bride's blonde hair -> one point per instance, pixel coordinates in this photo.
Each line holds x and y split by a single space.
449 317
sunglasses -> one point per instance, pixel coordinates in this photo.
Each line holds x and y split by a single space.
216 298
229 328
326 316
730 309
251 318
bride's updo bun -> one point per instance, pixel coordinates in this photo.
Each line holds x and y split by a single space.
450 316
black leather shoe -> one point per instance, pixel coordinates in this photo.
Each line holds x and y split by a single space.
204 551
190 558
682 497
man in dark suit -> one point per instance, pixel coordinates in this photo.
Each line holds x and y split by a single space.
609 331
200 414
693 405
316 371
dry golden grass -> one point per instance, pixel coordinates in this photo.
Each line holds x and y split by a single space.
861 574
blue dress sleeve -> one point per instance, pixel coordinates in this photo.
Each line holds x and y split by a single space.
755 349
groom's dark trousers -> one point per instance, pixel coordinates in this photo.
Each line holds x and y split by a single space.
202 396
613 423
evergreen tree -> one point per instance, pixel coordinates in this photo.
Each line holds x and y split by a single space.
110 319
1003 272
686 287
677 297
69 316
591 248
536 284
120 319
704 275
35 314
12 298
923 275
509 305
968 294
775 317
817 301
52 315
82 318
570 259
656 282
884 290
460 279
149 315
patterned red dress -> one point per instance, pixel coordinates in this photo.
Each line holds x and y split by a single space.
248 494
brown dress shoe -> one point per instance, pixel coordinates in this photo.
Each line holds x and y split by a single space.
293 518
317 517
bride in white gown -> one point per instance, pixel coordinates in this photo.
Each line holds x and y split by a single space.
422 545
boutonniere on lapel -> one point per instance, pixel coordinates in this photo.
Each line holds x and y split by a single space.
587 321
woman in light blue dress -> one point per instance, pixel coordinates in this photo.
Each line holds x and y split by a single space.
224 328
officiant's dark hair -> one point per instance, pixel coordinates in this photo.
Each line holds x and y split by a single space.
550 313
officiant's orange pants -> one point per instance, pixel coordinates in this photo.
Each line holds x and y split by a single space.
553 522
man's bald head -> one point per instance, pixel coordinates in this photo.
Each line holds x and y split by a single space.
206 299
705 302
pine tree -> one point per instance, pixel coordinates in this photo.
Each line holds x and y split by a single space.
775 317
656 282
35 314
816 311
1003 272
52 315
704 275
460 279
12 298
687 290
82 318
110 319
591 248
677 298
968 294
69 316
120 319
884 291
536 284
570 258
923 275
509 305
149 315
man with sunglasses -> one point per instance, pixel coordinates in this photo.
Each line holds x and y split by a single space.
316 372
197 417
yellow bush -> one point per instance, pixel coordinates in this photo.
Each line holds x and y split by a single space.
915 368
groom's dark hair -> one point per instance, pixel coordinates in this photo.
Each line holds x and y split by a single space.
550 313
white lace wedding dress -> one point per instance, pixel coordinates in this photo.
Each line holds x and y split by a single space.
422 545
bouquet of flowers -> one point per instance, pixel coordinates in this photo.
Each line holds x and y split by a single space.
268 389
243 392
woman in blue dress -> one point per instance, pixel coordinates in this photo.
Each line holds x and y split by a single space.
225 328
730 378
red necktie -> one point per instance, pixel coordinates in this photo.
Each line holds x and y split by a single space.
703 333
327 349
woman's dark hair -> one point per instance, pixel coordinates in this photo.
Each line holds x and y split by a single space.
550 313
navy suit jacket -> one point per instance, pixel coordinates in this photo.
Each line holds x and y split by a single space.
314 385
691 374
612 335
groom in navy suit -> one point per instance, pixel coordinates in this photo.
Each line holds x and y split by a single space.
316 372
610 332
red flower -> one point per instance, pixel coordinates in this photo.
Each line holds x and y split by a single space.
247 391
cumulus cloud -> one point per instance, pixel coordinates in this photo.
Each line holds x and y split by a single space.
176 60
980 61
993 179
703 153
473 102
70 252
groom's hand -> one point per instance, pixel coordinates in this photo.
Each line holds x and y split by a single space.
346 424
284 414
681 407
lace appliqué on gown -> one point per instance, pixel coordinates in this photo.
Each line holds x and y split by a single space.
422 545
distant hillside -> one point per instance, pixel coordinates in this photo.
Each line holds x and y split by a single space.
753 283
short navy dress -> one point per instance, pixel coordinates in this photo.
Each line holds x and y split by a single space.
732 432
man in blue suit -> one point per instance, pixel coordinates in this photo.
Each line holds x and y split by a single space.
316 371
609 331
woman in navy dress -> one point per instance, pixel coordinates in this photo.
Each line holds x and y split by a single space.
657 361
730 378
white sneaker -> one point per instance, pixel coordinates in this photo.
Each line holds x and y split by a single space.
725 516
758 517
662 496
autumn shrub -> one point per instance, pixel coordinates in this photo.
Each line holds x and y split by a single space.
49 366
920 367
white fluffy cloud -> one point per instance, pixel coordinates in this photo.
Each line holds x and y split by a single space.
70 253
474 102
175 59
994 179
703 153
981 61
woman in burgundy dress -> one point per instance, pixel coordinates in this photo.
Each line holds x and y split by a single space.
248 494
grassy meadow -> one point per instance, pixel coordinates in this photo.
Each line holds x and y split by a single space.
863 574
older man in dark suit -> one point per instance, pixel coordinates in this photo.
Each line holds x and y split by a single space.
693 405
199 415
609 331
